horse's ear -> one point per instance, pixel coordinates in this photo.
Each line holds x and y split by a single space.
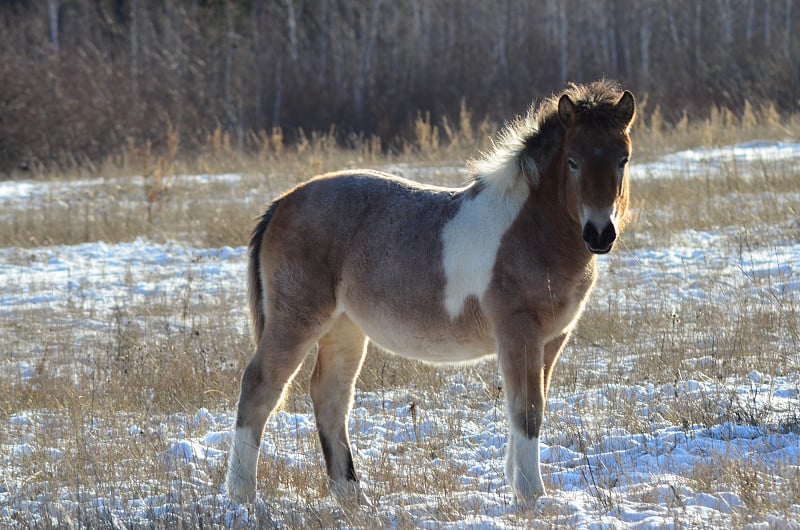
566 111
626 107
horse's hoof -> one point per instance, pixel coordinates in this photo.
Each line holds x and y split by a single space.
349 497
239 491
527 498
241 497
528 506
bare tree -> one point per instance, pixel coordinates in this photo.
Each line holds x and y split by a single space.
291 29
325 28
645 36
787 46
564 40
767 23
726 17
749 18
52 12
119 66
134 45
365 71
502 9
228 63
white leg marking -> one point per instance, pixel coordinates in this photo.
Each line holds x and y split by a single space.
523 470
242 462
472 237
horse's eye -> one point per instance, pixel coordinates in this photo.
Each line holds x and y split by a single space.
572 164
623 163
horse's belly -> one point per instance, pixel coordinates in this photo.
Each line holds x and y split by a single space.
437 345
436 352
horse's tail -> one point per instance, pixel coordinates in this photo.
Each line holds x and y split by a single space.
255 287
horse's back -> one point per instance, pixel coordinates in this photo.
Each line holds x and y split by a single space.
360 213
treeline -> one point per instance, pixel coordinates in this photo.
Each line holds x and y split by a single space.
81 79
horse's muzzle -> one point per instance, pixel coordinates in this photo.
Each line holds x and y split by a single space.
599 242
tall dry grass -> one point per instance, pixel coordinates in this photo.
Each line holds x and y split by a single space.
141 192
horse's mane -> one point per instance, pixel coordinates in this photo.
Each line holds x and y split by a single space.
537 135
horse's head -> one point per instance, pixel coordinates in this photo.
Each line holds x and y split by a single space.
596 150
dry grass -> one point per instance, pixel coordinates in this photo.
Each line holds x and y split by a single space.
723 126
159 202
142 193
178 353
665 208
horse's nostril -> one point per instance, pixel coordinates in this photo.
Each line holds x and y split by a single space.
590 233
609 233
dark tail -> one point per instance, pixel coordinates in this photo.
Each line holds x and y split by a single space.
255 289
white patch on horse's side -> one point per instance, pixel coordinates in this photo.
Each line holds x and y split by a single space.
523 468
240 483
472 237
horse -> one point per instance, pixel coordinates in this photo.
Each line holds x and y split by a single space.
503 265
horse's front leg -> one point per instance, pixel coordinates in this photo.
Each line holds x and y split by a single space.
521 357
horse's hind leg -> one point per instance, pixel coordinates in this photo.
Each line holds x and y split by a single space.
341 352
276 361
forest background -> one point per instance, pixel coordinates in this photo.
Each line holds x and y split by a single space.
88 81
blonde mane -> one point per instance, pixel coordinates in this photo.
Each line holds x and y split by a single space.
503 164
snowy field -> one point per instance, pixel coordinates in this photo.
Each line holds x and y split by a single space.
621 447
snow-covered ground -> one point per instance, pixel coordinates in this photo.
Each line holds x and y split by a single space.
600 472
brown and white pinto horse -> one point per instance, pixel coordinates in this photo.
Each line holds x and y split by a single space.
504 264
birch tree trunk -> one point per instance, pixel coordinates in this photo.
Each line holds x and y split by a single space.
564 51
626 44
134 56
227 73
645 36
726 17
52 15
698 39
278 98
365 71
258 44
420 12
601 46
748 24
502 48
767 23
325 27
291 26
788 30
674 28
611 42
